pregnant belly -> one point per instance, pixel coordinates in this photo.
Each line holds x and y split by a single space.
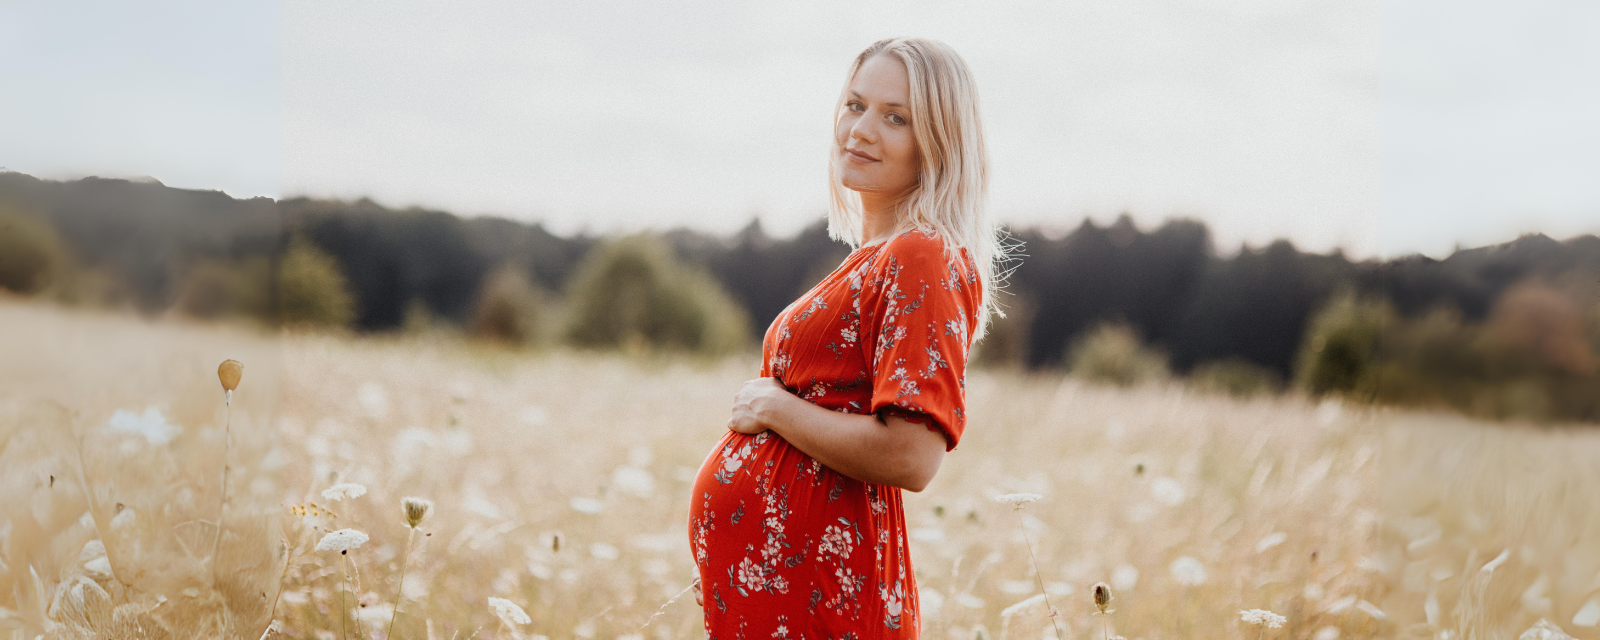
773 530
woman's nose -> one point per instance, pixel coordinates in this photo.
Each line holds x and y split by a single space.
863 129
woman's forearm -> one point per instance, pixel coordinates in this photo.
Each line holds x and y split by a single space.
899 453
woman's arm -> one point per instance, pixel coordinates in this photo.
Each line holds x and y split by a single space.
895 452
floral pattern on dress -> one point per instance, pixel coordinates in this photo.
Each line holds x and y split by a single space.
789 548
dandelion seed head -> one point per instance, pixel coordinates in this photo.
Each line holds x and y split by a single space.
415 509
342 540
1262 617
344 490
508 611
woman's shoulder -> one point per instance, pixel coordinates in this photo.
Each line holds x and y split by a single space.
921 256
922 249
917 246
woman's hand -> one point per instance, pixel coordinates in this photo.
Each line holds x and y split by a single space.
755 400
698 599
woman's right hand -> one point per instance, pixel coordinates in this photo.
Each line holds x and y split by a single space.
697 598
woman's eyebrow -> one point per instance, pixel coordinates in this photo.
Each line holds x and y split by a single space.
892 104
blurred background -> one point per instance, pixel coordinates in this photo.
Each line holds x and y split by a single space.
1208 176
1381 205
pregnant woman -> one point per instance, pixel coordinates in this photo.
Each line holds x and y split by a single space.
795 522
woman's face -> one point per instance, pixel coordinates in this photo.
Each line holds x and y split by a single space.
877 151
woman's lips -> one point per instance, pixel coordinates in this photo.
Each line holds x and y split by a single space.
857 156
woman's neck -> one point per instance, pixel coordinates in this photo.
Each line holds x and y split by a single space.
878 221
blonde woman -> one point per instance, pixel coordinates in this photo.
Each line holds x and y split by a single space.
796 523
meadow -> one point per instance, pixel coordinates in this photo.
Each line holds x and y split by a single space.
559 482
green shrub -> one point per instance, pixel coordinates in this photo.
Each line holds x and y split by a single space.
1235 376
31 254
215 288
1112 352
1340 345
631 293
311 288
509 307
1532 358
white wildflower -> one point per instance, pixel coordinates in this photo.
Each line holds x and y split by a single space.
1272 540
930 535
1371 609
374 399
970 601
1168 491
1262 617
1015 587
633 480
1124 577
1544 630
342 540
152 425
587 505
1589 614
344 490
1188 571
508 611
1016 500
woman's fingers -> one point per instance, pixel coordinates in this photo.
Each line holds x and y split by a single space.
697 597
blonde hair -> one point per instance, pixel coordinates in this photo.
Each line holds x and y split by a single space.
952 190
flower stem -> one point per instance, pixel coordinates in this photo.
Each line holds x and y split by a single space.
222 507
1036 575
344 572
400 590
663 606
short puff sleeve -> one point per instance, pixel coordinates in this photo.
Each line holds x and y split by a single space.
919 310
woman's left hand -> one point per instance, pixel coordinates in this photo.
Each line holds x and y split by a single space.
756 399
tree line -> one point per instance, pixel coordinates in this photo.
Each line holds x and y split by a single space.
1506 330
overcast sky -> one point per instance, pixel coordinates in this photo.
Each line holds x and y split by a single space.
1382 128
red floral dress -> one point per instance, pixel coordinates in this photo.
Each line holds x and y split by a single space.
788 548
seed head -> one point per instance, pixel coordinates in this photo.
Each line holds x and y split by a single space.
1102 596
229 373
415 509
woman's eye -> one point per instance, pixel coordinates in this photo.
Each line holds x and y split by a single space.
895 118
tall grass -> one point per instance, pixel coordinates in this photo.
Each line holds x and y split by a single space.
1193 507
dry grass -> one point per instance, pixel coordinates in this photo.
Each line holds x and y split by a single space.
1337 517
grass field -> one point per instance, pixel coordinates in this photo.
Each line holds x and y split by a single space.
560 483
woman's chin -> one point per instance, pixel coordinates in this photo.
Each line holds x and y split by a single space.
860 186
